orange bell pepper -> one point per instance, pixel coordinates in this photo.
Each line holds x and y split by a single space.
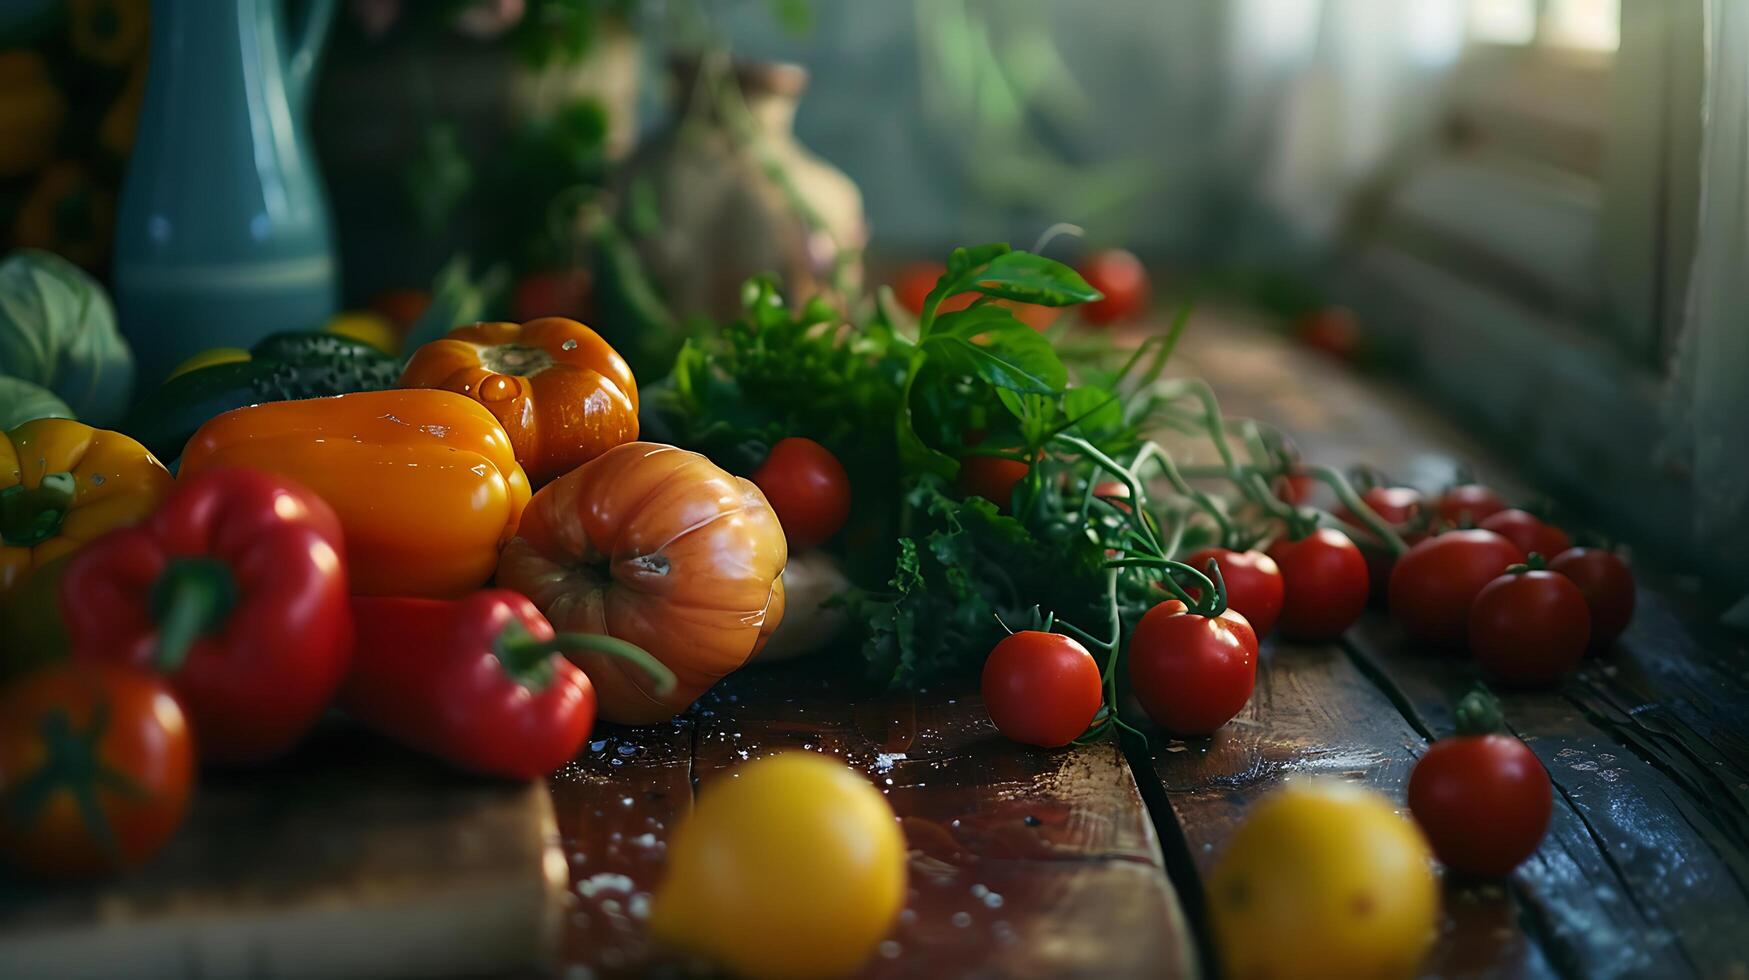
424 482
563 394
63 483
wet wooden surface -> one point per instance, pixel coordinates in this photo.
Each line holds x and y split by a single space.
1087 861
1023 863
1643 870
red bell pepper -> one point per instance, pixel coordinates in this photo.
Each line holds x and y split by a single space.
235 588
480 682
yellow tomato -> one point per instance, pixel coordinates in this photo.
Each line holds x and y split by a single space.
791 866
1324 879
209 357
367 327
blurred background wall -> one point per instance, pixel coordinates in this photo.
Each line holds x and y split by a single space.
1505 194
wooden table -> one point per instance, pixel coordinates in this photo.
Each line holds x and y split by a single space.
1087 861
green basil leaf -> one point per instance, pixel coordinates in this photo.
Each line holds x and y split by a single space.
1034 279
988 343
970 257
915 454
962 270
1093 413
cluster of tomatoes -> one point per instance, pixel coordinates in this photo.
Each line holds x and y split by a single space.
1473 574
1192 669
1501 582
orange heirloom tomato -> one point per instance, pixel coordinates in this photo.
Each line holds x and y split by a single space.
96 764
63 483
424 482
657 546
562 393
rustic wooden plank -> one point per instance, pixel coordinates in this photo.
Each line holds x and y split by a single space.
1677 691
351 857
1648 745
1024 862
1655 860
1315 713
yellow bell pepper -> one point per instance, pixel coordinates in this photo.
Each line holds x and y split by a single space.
367 327
424 481
63 483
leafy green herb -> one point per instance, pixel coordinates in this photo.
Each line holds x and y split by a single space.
939 575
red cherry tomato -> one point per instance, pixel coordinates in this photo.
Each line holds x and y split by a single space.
1325 584
1254 584
1435 582
96 764
1395 506
991 477
553 292
1124 281
1608 588
808 488
1529 628
1333 330
1526 530
912 285
1041 688
1380 563
1466 504
1483 801
1192 673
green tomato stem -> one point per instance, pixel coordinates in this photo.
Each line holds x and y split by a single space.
1152 451
1479 713
1356 506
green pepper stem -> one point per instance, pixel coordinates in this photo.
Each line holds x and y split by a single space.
192 598
522 653
32 515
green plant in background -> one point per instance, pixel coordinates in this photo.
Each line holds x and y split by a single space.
563 31
995 78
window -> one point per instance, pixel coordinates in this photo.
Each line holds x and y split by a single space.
1587 25
1561 166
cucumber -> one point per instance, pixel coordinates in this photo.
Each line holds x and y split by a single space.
281 367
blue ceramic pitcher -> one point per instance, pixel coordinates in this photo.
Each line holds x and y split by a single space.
223 234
